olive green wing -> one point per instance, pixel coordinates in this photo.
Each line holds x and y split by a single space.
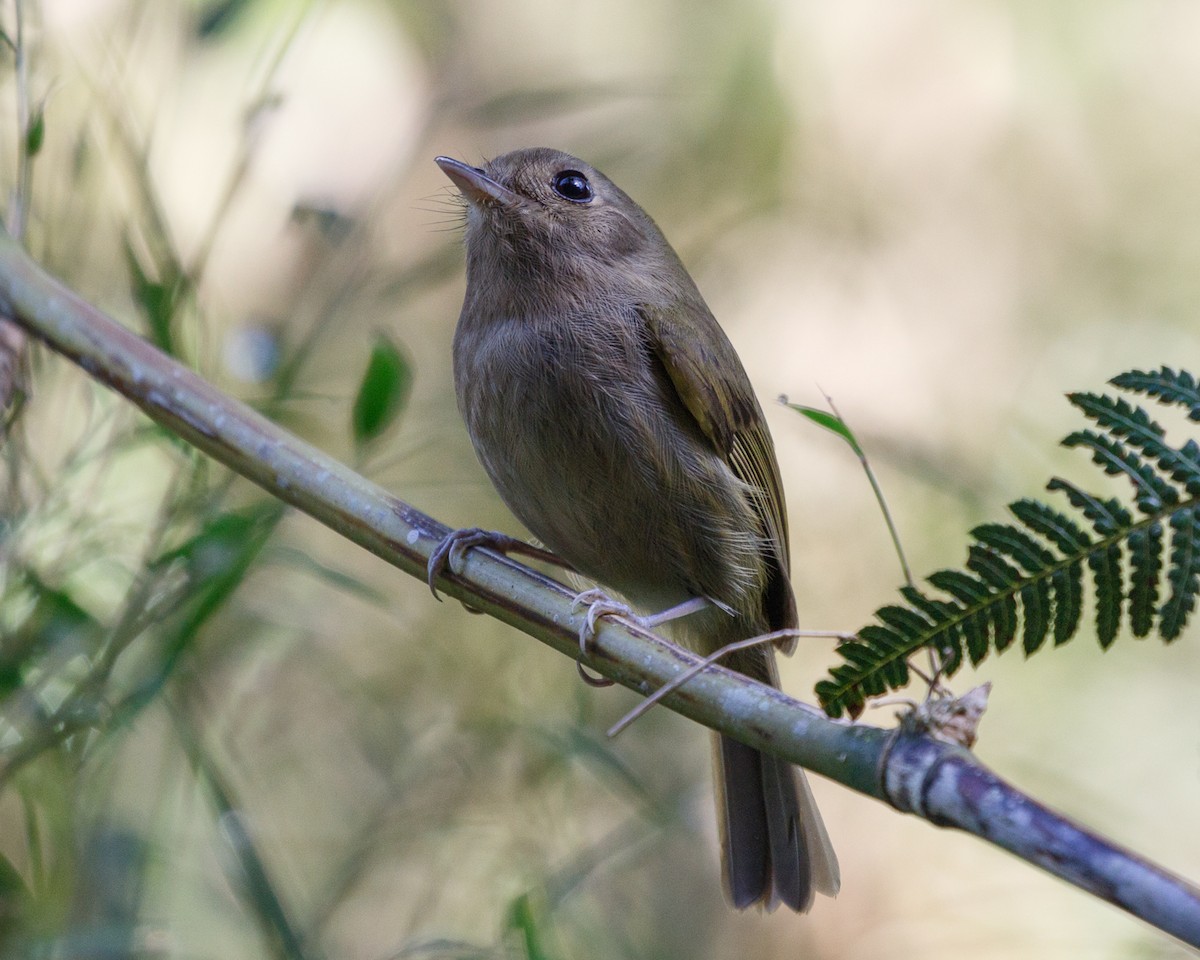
712 384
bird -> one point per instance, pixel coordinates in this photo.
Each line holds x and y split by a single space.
615 419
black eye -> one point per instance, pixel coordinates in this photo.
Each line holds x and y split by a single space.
572 185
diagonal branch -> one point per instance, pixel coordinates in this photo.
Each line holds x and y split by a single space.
911 772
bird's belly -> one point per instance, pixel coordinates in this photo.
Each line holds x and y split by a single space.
597 456
570 479
566 455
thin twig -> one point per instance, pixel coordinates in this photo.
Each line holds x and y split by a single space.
935 665
712 658
879 497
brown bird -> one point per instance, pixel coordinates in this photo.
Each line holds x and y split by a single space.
616 421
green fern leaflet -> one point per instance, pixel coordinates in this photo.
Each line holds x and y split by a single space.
1027 579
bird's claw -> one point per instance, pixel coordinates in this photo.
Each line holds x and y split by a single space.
451 551
599 604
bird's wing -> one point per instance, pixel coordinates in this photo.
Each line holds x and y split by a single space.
712 384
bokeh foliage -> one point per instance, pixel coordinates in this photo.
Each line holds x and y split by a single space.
227 734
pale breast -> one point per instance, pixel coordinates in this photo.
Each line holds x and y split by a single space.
585 440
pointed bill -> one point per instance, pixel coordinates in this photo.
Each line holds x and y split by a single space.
476 185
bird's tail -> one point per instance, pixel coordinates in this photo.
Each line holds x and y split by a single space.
773 842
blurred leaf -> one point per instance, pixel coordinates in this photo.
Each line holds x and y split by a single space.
527 919
252 876
567 880
58 619
604 761
343 581
217 561
11 886
35 135
219 17
54 621
157 300
218 558
383 391
14 903
332 224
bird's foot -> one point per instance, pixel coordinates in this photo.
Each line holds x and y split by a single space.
599 604
451 551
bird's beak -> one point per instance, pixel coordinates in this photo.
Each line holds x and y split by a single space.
476 185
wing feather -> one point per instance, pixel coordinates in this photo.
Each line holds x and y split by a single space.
712 384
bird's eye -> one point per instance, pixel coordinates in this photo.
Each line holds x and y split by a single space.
572 185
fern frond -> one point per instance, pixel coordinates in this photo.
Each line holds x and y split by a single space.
1151 490
1068 605
1165 385
1027 577
1139 431
1145 566
1183 575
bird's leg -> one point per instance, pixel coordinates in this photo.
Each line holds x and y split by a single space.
600 604
451 550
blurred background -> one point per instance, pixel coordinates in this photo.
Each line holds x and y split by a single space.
226 733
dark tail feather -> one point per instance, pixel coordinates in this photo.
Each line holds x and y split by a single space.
764 850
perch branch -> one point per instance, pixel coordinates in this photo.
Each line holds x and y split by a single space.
913 773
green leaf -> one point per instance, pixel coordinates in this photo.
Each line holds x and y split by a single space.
383 391
1015 543
16 905
158 300
11 885
830 422
1056 527
216 561
962 586
35 134
1107 516
335 578
219 17
1117 415
54 625
948 636
527 919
